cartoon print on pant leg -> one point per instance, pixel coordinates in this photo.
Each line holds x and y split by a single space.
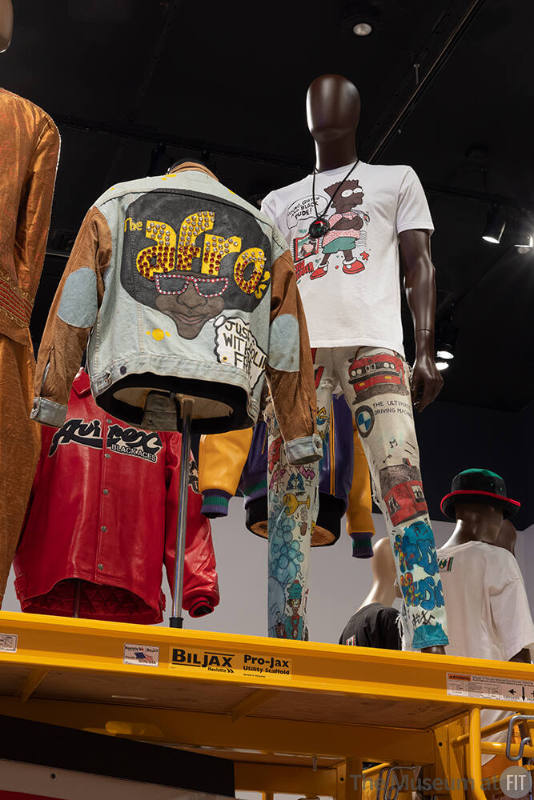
292 505
295 620
277 605
379 374
402 492
274 468
285 563
285 550
399 552
345 227
420 583
419 548
429 597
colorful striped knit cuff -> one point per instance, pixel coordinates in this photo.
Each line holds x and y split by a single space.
215 503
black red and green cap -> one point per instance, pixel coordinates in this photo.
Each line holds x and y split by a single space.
479 486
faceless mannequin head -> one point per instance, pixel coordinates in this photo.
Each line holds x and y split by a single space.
479 521
332 107
507 537
6 24
333 113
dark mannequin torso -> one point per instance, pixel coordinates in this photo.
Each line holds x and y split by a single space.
478 522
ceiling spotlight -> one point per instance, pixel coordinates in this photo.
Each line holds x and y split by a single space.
524 242
495 225
362 29
446 354
441 365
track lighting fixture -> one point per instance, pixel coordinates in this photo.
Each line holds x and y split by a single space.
495 225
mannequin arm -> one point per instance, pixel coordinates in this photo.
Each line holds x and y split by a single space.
420 286
384 574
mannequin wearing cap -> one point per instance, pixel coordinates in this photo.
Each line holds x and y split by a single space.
478 503
488 610
350 226
29 142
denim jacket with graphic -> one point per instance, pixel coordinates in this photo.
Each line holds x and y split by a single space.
176 284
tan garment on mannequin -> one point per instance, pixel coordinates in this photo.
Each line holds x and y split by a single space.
29 142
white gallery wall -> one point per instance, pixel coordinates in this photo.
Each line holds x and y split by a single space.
339 582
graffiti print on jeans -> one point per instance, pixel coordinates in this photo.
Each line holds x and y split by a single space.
402 491
378 374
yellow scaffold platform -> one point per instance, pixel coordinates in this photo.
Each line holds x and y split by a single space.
293 716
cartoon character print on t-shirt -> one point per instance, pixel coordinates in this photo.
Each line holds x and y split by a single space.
343 245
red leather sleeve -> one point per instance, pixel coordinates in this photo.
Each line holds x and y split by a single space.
201 586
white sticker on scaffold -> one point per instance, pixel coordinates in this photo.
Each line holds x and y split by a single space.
510 689
145 654
8 642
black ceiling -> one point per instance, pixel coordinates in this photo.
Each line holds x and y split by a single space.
136 84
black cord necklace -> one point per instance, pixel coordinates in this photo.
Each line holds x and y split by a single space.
320 224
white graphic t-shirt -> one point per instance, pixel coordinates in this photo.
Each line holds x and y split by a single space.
349 278
488 613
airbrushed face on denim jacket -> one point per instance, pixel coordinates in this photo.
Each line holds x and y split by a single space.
191 256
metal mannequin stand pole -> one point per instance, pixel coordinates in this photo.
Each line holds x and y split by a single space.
184 407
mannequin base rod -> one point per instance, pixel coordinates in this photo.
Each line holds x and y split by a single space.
185 406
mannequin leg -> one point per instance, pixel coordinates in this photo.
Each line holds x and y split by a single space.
292 500
20 440
376 385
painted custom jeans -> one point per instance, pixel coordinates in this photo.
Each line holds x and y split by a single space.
376 385
292 501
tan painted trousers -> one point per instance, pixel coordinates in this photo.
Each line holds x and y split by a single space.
20 440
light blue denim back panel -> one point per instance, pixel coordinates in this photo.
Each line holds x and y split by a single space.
189 283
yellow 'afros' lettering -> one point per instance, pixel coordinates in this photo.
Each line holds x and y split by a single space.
191 227
253 256
160 257
171 252
215 249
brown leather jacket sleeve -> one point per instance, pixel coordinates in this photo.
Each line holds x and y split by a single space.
290 368
71 317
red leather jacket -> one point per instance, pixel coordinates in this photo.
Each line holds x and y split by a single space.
103 510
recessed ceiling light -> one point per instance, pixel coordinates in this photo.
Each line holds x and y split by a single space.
362 29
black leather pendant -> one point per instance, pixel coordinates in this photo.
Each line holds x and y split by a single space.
318 228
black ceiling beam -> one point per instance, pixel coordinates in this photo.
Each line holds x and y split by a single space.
145 134
483 197
422 85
